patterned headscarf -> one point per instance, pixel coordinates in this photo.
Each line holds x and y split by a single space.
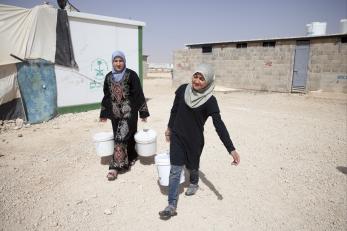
118 75
195 98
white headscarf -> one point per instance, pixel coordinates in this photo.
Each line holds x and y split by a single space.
195 98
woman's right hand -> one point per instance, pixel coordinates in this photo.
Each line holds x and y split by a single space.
167 134
102 119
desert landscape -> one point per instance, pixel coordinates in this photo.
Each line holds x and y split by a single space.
292 175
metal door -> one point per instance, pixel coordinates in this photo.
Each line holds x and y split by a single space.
301 58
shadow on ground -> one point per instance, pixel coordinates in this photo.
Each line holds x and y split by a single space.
342 169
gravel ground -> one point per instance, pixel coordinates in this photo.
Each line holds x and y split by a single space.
292 174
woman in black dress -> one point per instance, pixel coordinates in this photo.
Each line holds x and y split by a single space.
122 102
193 104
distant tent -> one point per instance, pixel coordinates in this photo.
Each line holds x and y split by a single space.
35 39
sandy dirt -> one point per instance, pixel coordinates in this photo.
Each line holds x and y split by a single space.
292 174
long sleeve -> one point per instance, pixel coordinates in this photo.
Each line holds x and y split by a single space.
138 96
104 113
173 112
222 132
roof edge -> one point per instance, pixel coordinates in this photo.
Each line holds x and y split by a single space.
265 39
105 18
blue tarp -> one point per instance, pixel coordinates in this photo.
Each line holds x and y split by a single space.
37 84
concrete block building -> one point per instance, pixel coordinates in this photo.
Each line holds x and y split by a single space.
293 64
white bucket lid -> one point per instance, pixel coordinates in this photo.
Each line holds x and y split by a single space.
103 136
145 136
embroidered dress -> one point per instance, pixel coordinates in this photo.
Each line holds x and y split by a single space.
122 102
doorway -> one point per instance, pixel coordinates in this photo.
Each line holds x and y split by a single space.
301 59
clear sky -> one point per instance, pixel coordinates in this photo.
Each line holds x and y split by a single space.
170 24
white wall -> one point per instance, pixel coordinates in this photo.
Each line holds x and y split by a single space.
93 43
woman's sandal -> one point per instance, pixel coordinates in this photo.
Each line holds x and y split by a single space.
132 163
112 175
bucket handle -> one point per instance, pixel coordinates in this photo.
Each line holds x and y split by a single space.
144 127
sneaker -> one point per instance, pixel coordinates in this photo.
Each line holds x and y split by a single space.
168 212
191 190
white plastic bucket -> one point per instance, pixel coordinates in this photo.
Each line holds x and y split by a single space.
146 142
162 161
104 143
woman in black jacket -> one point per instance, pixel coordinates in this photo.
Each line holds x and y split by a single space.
193 104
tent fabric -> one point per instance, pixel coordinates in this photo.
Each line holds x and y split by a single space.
64 53
10 102
27 33
39 38
8 83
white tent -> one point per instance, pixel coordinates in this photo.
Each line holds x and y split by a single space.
77 45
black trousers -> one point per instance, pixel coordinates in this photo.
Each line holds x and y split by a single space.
194 176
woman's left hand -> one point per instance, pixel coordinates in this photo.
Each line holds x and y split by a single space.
236 157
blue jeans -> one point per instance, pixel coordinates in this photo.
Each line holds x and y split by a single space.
174 182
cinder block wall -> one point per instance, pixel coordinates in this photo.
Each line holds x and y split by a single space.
255 67
328 65
268 68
